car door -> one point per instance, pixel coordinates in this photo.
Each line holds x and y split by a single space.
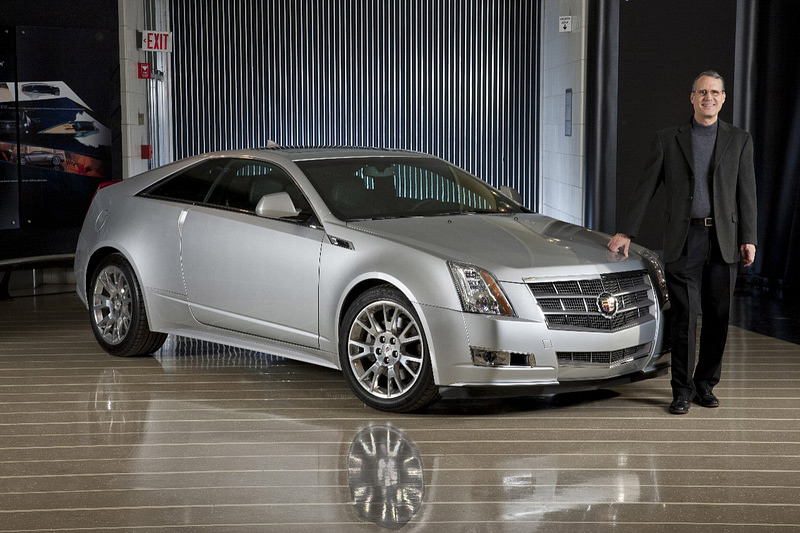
248 273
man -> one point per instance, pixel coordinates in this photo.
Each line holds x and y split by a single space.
706 166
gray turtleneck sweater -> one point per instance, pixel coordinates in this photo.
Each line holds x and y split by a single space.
703 140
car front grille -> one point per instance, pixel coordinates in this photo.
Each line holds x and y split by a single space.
609 359
576 305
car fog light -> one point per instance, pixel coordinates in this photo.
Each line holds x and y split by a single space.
485 357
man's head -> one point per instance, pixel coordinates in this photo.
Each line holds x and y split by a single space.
708 95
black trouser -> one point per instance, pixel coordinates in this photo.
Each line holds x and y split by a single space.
699 281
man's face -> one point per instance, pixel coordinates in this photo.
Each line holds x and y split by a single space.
707 100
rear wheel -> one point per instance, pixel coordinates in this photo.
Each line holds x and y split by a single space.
117 312
383 352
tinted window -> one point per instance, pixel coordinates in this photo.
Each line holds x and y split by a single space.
245 182
230 183
191 185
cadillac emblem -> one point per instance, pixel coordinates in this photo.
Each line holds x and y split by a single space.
607 304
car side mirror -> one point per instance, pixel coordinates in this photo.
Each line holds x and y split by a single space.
276 205
511 193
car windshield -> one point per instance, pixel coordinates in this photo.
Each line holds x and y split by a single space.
386 187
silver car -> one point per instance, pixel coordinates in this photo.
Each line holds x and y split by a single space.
36 89
414 278
41 157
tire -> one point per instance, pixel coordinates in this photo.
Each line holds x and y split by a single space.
383 352
56 161
117 312
23 161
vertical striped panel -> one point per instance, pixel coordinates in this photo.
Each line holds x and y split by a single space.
457 79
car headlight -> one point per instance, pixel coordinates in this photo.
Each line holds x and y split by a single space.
657 276
479 290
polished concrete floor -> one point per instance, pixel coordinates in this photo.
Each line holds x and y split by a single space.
202 437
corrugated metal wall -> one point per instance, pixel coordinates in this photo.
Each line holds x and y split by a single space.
453 78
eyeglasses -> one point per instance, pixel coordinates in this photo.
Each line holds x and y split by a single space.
703 92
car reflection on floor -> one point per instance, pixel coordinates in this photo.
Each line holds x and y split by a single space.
206 437
385 473
384 470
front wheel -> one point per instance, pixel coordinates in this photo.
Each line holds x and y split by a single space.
118 315
384 353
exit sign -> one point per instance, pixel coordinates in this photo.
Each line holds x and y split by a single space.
155 41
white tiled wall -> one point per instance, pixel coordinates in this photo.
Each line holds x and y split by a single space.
564 67
134 90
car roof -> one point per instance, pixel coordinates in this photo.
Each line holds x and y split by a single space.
311 153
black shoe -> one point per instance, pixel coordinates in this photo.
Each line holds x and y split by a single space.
680 406
706 398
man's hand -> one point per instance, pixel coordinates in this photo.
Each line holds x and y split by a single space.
620 243
748 253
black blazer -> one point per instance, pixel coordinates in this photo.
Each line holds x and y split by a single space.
733 189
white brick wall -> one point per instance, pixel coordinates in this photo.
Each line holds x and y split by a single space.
134 90
562 158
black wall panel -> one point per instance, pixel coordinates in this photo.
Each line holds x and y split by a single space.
663 46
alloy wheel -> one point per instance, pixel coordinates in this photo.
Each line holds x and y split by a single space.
385 349
112 305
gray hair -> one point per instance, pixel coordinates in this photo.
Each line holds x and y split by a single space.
711 74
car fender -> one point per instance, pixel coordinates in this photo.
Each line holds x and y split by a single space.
368 280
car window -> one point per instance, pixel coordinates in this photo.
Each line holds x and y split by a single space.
192 185
244 182
230 183
360 188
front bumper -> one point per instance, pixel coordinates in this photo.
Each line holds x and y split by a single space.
455 335
515 390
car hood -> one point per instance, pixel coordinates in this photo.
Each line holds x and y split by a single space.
513 247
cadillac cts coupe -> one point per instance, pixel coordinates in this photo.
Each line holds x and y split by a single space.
414 278
35 89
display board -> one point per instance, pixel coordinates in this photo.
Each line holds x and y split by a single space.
55 136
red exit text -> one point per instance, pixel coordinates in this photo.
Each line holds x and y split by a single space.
156 41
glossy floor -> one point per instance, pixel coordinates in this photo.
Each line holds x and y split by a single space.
204 437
